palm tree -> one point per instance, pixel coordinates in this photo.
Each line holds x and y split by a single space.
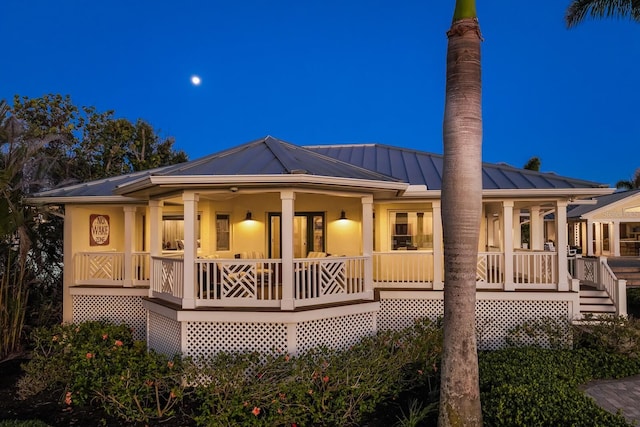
461 213
578 10
631 184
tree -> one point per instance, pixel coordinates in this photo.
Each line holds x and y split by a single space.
631 184
578 10
533 164
461 215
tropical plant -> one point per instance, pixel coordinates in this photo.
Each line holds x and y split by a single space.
461 212
630 184
578 10
533 164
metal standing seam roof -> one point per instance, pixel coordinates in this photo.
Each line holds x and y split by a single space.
423 168
601 202
375 162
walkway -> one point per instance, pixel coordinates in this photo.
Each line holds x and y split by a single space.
614 395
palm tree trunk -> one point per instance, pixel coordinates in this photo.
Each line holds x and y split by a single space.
461 213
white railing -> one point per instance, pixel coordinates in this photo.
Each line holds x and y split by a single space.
99 268
235 282
616 288
535 270
403 269
490 270
587 270
141 264
327 280
168 278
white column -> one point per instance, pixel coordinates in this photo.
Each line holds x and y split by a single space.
507 244
438 280
190 200
129 243
155 238
615 238
367 244
561 245
598 239
536 232
288 211
67 266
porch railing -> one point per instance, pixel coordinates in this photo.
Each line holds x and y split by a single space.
596 271
535 270
326 280
141 264
168 278
490 270
245 282
99 268
403 269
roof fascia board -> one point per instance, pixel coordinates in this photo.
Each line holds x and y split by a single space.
549 192
80 199
611 205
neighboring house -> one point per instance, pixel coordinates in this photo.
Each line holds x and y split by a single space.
610 226
274 247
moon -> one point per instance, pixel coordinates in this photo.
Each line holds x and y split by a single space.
195 80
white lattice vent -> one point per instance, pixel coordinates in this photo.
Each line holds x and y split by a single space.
335 332
164 334
401 313
207 338
493 318
114 309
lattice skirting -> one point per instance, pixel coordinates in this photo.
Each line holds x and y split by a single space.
493 317
335 332
165 335
114 309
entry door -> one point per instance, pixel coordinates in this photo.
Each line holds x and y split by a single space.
308 234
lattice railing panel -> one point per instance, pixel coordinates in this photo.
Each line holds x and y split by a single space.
114 309
335 332
207 338
493 318
333 278
165 335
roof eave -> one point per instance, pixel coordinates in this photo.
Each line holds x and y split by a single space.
52 200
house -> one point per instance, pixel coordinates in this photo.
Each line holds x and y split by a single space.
271 246
609 226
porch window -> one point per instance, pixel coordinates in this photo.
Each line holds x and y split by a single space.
411 230
173 232
223 235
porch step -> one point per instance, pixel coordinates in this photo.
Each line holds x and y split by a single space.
595 302
627 269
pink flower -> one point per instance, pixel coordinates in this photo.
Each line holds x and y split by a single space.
55 338
286 358
67 398
256 411
104 336
118 343
325 379
89 355
420 372
172 395
170 364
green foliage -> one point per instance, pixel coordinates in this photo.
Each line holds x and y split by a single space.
416 413
633 302
22 423
321 387
100 362
544 332
620 335
540 387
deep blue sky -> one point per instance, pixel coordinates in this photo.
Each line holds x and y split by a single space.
317 72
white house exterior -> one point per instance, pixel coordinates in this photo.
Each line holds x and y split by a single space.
274 247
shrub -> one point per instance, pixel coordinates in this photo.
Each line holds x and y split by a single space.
619 335
97 361
545 332
321 387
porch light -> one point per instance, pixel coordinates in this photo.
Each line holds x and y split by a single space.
248 217
343 215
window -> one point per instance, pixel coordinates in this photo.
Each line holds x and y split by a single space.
411 230
173 232
223 235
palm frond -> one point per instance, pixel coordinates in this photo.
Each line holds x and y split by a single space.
579 10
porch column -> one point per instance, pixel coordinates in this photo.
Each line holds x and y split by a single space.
561 247
507 244
129 243
598 239
288 302
589 238
367 244
438 282
615 238
536 233
155 238
190 200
